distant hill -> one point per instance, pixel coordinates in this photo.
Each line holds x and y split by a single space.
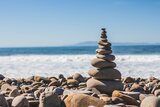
87 43
94 43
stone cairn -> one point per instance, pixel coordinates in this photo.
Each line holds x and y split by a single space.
105 78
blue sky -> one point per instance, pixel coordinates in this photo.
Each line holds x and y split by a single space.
61 22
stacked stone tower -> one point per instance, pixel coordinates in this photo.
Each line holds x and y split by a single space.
105 78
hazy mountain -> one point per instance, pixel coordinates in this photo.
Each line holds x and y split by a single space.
94 43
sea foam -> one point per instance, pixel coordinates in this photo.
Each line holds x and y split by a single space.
53 65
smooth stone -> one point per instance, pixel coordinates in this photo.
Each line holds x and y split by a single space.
157 92
131 106
3 101
105 44
103 51
26 88
101 63
37 93
6 87
151 101
78 77
132 94
103 40
9 100
143 96
72 83
54 83
111 106
49 99
36 84
33 103
136 88
39 78
82 100
116 100
1 77
128 99
104 86
49 89
58 91
20 101
105 73
69 92
14 93
106 99
82 84
106 57
128 80
7 80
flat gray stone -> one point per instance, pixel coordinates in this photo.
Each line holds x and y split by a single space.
105 73
101 63
103 51
106 57
104 86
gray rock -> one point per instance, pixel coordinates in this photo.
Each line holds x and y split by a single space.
49 99
105 73
3 101
1 77
106 57
101 63
20 101
103 51
104 86
14 93
78 77
104 44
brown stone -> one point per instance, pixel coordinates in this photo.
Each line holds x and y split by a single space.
143 96
151 101
101 63
136 88
106 99
128 99
105 73
6 87
72 83
104 86
104 44
103 51
54 83
128 80
103 40
82 100
157 92
106 57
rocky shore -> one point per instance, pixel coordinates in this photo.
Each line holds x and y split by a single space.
37 91
104 88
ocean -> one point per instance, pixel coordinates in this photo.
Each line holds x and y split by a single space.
132 60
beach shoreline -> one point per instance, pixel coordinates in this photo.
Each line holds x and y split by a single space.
135 90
